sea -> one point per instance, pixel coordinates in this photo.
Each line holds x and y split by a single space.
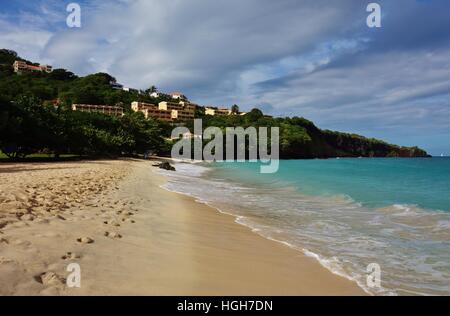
351 215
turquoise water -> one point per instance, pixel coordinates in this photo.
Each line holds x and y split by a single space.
346 213
371 182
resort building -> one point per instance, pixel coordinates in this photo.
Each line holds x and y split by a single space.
127 89
173 95
21 66
158 114
178 96
116 85
217 111
170 106
166 111
210 111
151 110
189 106
157 94
139 106
182 111
104 109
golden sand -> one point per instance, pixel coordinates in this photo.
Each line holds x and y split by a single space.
130 237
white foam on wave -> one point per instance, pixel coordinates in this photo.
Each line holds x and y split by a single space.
342 220
331 265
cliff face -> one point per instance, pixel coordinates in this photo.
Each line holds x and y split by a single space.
330 144
348 145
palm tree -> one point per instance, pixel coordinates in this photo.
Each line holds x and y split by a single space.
235 109
151 90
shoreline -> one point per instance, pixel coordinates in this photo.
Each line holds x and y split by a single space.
303 251
166 244
236 218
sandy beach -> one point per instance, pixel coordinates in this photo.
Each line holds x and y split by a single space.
131 237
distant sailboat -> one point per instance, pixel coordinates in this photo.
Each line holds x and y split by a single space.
442 155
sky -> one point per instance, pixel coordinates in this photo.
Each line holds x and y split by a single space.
312 58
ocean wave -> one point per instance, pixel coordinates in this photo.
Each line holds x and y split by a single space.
409 243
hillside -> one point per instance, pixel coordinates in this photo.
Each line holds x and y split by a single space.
29 123
300 138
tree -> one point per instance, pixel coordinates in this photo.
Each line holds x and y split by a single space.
254 115
151 90
199 111
62 74
27 128
145 134
8 56
235 109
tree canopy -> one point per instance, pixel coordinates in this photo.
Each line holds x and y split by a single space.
27 126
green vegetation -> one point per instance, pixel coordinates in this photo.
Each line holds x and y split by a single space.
28 127
8 57
30 124
300 138
42 157
64 86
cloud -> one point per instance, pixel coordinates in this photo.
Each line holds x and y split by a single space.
315 58
187 45
29 41
398 92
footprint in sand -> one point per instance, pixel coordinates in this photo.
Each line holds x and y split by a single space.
113 235
70 256
85 240
113 223
60 217
50 278
125 219
22 243
42 221
4 260
28 217
4 223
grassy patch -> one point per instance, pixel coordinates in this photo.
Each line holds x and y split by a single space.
40 157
